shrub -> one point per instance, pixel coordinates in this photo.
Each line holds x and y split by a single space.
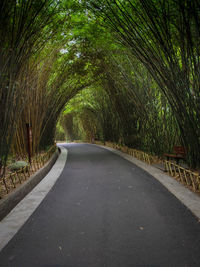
17 165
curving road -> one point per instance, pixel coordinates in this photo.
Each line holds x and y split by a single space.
105 212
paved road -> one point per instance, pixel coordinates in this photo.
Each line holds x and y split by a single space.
105 212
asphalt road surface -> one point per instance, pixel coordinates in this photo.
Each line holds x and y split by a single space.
105 212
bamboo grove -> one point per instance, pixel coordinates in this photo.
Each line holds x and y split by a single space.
122 71
164 36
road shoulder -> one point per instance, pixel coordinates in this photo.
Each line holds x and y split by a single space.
11 224
187 197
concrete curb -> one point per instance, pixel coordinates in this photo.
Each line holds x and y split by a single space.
187 197
8 203
11 224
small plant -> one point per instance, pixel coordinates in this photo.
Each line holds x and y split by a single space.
17 165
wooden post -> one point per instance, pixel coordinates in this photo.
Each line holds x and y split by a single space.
0 166
29 140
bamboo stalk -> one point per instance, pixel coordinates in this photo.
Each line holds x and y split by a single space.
6 187
18 176
12 180
193 183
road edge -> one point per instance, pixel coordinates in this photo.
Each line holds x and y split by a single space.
10 201
189 199
11 224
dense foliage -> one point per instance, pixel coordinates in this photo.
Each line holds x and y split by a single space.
122 71
164 36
